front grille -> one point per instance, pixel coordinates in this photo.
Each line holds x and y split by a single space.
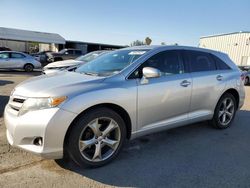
15 103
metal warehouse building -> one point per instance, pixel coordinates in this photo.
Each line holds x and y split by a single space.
33 42
29 41
236 45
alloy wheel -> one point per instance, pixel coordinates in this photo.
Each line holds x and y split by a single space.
226 111
99 139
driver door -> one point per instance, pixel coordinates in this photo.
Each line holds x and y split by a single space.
164 101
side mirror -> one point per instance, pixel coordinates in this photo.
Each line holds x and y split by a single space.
66 53
150 72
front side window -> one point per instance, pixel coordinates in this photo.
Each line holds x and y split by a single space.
17 55
111 63
168 62
71 52
200 61
4 55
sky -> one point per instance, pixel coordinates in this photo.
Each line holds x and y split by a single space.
123 21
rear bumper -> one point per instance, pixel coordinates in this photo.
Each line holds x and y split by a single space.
49 124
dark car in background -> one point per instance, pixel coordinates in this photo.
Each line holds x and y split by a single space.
72 64
43 57
65 54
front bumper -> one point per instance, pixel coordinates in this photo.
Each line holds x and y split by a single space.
49 124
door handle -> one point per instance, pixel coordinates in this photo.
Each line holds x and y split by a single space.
219 77
185 83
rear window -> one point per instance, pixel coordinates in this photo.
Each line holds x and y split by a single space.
200 61
221 65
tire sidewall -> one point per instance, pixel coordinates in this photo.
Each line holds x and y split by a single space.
216 121
28 70
73 140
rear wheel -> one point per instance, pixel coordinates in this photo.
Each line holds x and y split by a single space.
28 68
96 138
225 111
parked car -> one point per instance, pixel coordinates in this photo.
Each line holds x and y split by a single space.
88 114
247 77
5 49
73 63
18 60
65 54
43 57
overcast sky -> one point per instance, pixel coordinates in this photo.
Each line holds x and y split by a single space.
123 21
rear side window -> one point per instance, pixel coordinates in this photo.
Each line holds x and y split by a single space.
17 55
221 65
200 61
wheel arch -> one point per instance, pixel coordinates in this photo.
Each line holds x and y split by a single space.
28 64
118 109
235 93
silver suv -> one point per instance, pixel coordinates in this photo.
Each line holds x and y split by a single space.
88 114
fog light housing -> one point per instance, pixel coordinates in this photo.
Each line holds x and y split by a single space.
38 141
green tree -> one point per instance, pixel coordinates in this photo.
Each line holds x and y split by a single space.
137 43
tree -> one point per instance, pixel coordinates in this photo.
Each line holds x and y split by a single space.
148 41
137 43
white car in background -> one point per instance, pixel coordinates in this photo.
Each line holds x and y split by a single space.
18 60
72 64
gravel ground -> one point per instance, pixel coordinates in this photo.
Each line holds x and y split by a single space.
191 156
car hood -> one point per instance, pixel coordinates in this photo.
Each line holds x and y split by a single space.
65 63
60 84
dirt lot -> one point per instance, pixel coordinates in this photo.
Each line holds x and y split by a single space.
190 156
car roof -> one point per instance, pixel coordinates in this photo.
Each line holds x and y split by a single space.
172 47
12 52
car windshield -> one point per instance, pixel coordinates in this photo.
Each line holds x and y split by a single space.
110 63
90 56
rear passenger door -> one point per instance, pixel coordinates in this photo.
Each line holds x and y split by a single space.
208 83
17 60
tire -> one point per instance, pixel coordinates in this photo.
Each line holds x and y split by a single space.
246 81
223 110
87 137
29 68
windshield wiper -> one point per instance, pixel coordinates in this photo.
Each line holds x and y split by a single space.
90 73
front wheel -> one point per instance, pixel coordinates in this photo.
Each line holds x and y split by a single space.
96 138
225 111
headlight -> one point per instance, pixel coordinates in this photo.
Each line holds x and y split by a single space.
32 104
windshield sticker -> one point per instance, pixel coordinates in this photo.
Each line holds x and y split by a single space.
137 52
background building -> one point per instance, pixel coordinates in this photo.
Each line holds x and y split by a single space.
88 46
33 42
236 45
29 41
